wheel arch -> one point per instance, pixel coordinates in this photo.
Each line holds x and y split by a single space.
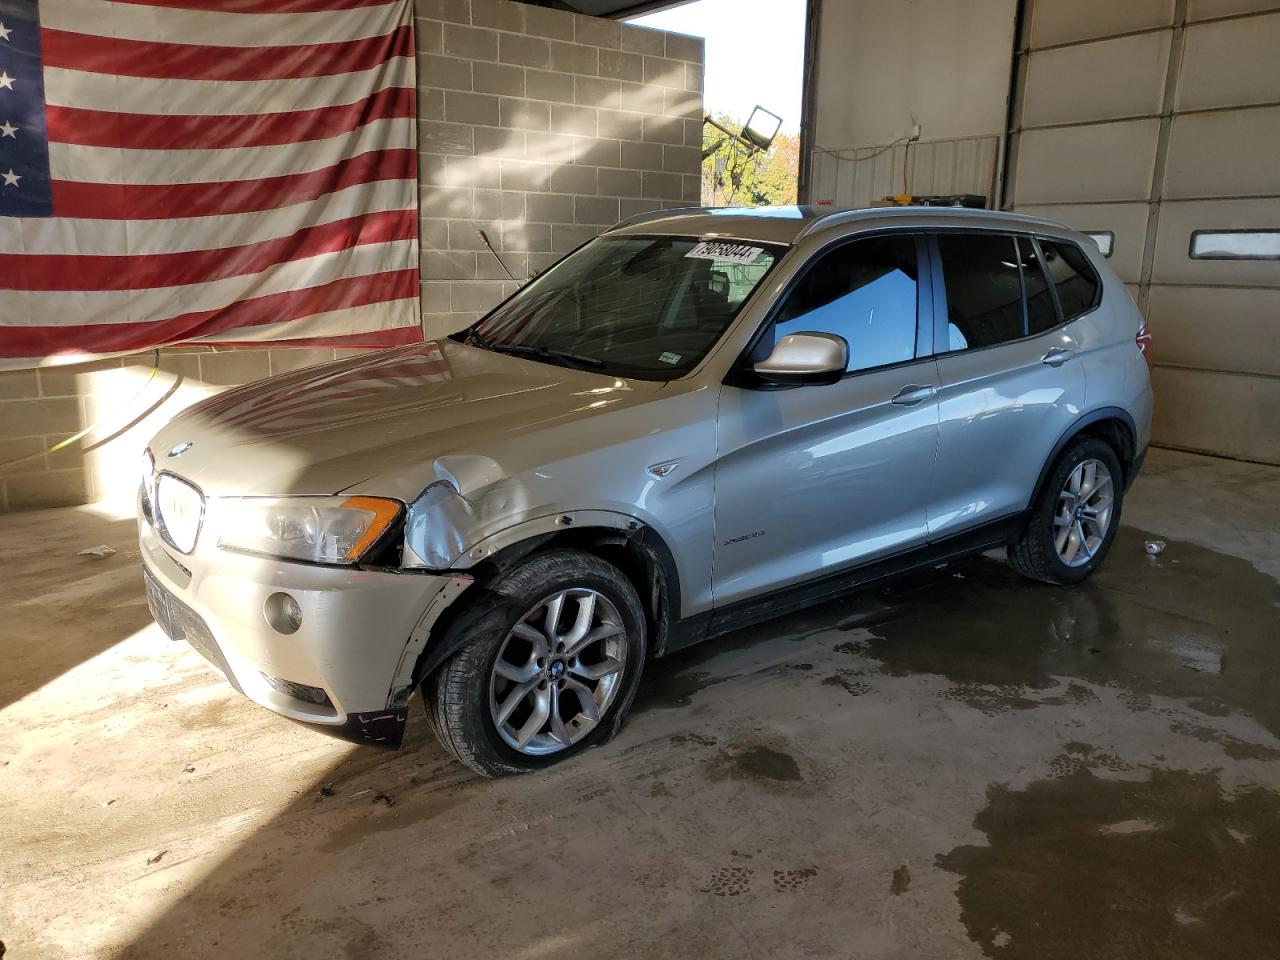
633 547
1112 425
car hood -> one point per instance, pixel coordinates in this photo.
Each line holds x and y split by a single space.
327 428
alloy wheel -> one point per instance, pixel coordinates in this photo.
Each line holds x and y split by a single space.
558 671
1084 513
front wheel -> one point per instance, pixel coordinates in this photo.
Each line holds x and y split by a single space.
550 660
1075 517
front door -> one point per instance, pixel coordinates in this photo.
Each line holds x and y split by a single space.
816 479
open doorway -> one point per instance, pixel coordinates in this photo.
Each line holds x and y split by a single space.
754 59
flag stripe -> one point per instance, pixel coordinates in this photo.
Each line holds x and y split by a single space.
273 308
174 167
117 201
261 6
142 131
207 24
188 61
93 308
107 237
139 272
98 91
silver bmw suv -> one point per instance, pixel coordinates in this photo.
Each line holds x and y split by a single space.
699 420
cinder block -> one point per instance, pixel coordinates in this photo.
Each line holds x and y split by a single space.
619 183
499 204
526 237
620 124
472 108
544 22
598 32
488 267
596 152
575 58
693 77
642 156
235 366
449 73
24 455
664 72
75 380
432 170
431 103
470 43
565 237
597 92
483 172
476 297
448 265
618 65
437 136
640 98
570 178
428 36
18 384
693 188
681 159
447 203
36 417
433 234
682 47
542 261
435 296
693 133
500 143
548 85
522 175
643 40
525 51
500 14
296 358
525 114
663 186
630 208
52 488
663 130
465 234
549 208
685 104
599 210
500 78
579 121
458 11
550 147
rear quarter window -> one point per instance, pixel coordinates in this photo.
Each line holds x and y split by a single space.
1077 283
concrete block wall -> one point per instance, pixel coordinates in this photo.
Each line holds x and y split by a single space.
541 128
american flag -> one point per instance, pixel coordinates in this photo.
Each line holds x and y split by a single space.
205 170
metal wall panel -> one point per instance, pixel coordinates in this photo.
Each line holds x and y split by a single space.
1225 153
1231 63
1126 221
1064 21
1217 328
1179 219
1106 161
1106 80
1205 9
1224 413
855 177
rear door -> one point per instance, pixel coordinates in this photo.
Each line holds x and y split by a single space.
1010 382
819 478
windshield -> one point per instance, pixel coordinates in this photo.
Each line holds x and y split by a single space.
645 307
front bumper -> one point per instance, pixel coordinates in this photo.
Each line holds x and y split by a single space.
343 670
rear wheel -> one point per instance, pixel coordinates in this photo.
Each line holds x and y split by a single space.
1075 517
551 657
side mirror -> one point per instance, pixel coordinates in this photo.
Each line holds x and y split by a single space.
800 359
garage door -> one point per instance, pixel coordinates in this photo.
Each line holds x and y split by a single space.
1155 124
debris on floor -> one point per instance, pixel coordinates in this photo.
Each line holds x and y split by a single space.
188 769
101 550
1155 547
326 790
385 798
157 858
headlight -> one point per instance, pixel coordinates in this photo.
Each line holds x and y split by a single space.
313 529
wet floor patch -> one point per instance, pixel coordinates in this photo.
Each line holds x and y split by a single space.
1088 865
756 762
1192 623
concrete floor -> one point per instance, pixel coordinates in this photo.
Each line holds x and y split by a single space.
961 763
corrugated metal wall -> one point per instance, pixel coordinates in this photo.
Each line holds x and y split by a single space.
853 177
1152 119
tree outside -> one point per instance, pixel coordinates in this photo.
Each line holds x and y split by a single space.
733 176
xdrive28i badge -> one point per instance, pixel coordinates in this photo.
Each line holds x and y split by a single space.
180 449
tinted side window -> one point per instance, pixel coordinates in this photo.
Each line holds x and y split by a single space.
865 291
1073 276
984 295
1042 315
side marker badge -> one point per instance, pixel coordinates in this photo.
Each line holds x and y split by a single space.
660 470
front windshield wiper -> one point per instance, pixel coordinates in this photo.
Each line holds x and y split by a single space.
544 353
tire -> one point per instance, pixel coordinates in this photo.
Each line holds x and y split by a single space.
1037 554
465 696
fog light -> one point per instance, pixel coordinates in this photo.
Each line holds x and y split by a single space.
283 613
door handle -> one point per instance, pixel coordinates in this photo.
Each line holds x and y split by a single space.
1057 356
913 393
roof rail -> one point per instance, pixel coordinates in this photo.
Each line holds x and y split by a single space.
651 215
